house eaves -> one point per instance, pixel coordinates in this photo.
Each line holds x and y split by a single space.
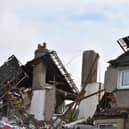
122 60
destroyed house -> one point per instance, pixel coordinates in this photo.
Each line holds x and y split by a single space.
113 109
42 85
52 84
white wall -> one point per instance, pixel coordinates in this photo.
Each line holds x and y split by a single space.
87 107
38 104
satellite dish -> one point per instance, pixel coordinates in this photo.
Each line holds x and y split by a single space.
124 43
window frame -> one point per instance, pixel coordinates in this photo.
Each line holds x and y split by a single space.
114 125
120 86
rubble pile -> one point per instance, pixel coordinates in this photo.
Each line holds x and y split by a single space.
22 121
15 98
13 110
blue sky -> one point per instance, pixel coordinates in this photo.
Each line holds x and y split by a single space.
68 26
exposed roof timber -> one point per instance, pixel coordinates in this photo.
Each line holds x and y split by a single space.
64 72
95 93
50 63
11 75
67 95
52 60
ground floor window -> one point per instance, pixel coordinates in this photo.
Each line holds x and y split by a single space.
108 126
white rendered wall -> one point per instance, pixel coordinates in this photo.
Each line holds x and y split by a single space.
87 107
37 104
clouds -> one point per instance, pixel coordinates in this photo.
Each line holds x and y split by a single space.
69 27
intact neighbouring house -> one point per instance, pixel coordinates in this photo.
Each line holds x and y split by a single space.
113 109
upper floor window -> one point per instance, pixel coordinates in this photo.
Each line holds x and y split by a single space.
124 79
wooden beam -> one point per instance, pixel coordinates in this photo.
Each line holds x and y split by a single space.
85 97
66 94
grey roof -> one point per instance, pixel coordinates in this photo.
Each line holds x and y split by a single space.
122 60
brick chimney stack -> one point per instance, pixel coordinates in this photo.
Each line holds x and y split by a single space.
41 50
89 67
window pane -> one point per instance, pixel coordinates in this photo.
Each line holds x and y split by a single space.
125 78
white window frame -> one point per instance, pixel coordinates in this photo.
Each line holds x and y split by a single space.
120 86
112 124
108 124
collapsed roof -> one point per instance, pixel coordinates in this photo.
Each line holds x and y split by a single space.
13 73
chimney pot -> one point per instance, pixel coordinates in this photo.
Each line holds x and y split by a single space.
41 50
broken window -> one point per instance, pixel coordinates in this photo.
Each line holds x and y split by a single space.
124 79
